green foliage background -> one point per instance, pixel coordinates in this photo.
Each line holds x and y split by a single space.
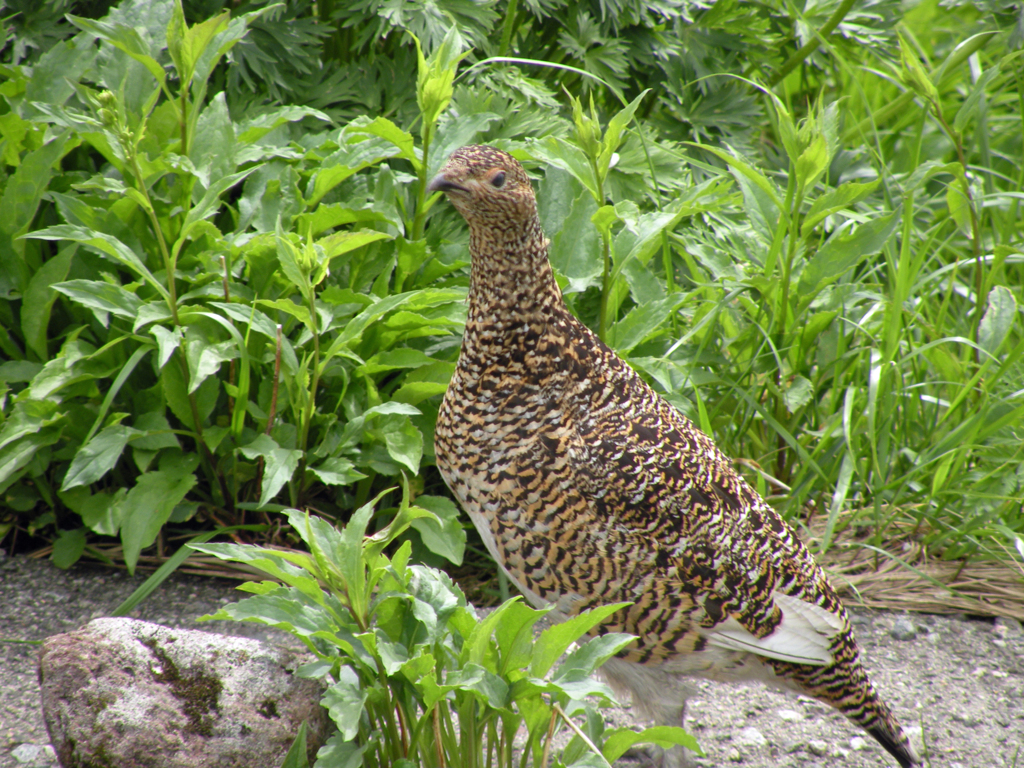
225 290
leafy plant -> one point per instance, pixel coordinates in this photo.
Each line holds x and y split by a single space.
415 676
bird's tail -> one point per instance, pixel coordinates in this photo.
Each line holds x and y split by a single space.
845 685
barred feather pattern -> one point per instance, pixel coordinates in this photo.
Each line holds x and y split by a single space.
588 488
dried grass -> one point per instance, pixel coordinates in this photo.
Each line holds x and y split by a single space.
908 578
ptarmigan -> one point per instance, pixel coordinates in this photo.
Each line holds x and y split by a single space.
588 488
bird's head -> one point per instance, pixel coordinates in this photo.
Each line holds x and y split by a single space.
488 187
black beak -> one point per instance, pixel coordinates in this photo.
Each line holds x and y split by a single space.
441 183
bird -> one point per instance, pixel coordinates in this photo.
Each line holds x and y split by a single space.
588 488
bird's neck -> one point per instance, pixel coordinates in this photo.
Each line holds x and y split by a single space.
511 280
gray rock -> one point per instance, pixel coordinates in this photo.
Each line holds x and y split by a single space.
752 737
138 695
903 629
817 747
734 756
34 754
857 744
789 716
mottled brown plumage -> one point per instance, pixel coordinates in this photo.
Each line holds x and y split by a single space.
588 488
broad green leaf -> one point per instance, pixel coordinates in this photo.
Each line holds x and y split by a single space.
641 322
337 471
340 752
105 297
124 38
798 393
205 358
621 739
445 535
20 200
147 507
845 250
404 442
812 163
959 203
613 134
288 306
15 455
186 45
576 247
38 301
514 634
489 688
387 130
279 464
104 243
394 359
587 657
998 319
561 154
97 457
101 512
836 200
68 547
342 242
554 640
166 341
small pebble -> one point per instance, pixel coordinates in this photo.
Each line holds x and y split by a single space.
857 744
817 747
34 754
933 638
734 756
790 716
903 629
753 737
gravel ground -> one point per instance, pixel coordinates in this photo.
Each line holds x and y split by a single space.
958 682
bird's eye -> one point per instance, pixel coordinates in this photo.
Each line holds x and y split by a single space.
498 180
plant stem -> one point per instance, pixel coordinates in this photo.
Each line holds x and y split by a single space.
812 45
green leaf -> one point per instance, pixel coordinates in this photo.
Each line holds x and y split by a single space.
101 512
666 736
812 163
561 154
205 358
337 471
845 250
67 548
103 297
836 200
97 457
166 341
148 506
403 441
998 320
959 203
296 757
641 322
38 301
124 38
554 640
797 394
104 243
279 464
973 101
444 535
576 248
345 701
613 134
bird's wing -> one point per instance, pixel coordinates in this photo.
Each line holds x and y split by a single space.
656 476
